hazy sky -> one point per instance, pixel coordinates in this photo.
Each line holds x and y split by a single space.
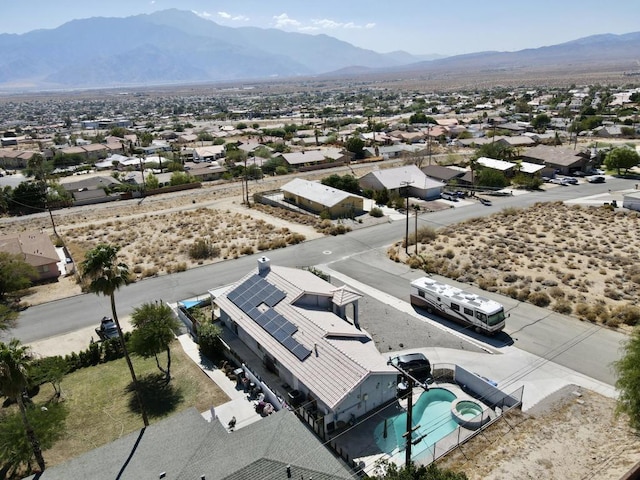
416 26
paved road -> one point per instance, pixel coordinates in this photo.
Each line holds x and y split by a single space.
361 255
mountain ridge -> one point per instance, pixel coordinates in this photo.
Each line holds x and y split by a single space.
176 46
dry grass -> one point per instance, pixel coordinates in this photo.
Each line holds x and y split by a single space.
574 260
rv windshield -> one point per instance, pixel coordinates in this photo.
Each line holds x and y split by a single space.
496 318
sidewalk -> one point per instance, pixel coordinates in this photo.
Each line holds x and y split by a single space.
238 406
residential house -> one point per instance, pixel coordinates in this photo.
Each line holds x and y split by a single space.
186 446
36 249
205 172
308 159
517 141
10 158
318 198
563 160
395 180
507 168
306 331
208 154
443 174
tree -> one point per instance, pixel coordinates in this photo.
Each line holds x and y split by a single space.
347 183
488 177
541 122
621 157
154 330
15 273
412 472
628 381
496 150
180 178
50 370
106 275
151 181
14 363
355 145
7 317
28 197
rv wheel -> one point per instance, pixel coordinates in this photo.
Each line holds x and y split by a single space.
429 310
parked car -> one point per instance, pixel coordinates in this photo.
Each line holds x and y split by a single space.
415 364
596 179
451 196
570 180
107 329
485 201
558 181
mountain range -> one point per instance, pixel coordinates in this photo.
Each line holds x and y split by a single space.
178 47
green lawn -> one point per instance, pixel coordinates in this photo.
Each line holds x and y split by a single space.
100 404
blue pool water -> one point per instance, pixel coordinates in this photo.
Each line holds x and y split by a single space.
432 412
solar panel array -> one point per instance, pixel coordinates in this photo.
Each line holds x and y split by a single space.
255 291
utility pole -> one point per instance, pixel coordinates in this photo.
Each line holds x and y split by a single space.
410 382
406 184
416 208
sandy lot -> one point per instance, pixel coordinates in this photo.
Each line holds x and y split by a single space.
583 259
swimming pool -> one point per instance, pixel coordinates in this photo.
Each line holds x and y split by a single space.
432 412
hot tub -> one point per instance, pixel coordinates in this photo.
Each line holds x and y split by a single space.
468 414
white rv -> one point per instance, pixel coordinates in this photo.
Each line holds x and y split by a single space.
467 308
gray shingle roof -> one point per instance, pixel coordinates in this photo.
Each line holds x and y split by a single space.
185 446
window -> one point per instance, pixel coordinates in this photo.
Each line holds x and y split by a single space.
438 298
259 347
481 316
468 311
455 306
420 293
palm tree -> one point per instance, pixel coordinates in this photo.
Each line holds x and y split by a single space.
107 275
14 360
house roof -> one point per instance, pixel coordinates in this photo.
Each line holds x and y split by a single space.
336 345
35 247
394 178
526 167
317 192
210 151
441 173
312 156
186 446
495 164
562 156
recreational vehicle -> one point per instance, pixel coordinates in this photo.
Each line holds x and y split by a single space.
467 308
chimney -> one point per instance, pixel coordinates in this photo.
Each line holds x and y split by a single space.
264 265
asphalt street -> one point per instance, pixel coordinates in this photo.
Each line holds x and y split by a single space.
360 255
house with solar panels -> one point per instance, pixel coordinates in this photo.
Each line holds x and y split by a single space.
307 332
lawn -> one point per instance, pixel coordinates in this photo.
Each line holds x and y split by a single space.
100 403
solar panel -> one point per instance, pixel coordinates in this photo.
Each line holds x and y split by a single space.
290 328
280 335
254 291
301 352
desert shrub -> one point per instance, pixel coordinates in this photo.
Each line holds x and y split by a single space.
510 211
562 306
150 272
549 283
246 250
449 254
295 238
376 212
510 278
426 234
539 299
556 292
487 283
582 309
612 293
325 215
628 314
203 249
510 291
